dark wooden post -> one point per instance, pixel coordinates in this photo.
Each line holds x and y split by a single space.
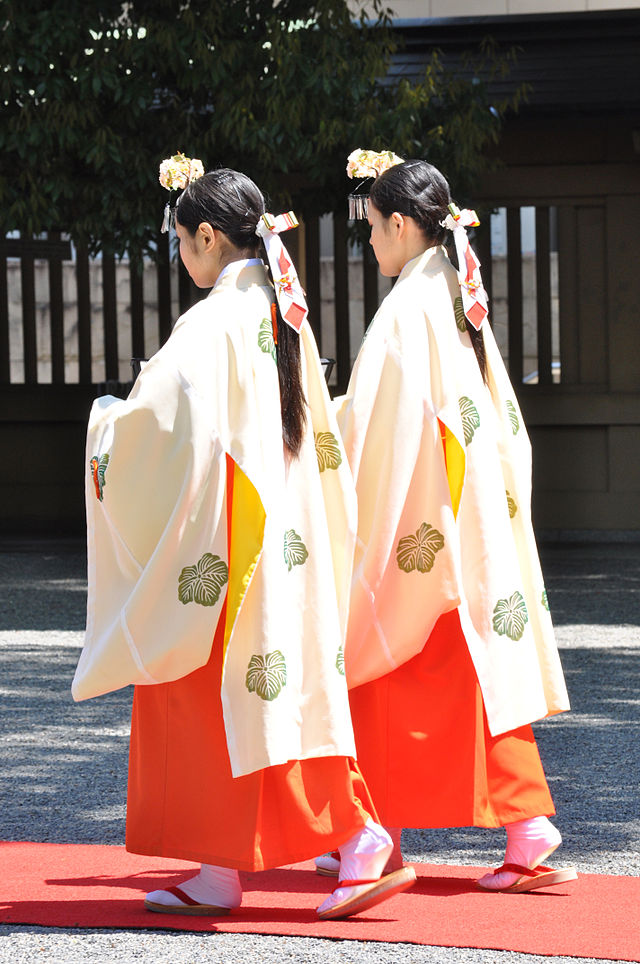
136 288
110 312
5 361
56 302
341 299
543 296
312 266
163 274
85 373
514 285
29 341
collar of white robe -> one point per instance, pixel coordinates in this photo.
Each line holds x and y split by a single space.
291 299
474 296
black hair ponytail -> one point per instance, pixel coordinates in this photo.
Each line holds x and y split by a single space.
230 202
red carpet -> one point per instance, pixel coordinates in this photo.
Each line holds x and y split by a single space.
61 885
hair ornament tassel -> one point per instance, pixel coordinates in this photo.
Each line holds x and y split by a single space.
474 297
289 293
366 164
176 173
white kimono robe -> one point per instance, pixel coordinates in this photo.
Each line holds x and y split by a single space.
437 533
207 404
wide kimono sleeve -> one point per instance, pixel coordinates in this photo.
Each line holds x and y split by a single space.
407 546
157 540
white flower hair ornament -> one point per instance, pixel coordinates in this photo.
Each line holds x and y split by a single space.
175 174
289 293
361 163
474 297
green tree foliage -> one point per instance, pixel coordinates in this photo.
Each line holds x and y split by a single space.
95 93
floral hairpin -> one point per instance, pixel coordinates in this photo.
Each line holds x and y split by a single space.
366 164
175 174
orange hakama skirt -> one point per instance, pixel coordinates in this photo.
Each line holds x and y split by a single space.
425 749
183 801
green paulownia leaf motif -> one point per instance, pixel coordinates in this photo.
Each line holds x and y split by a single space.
327 450
265 338
267 675
458 310
513 417
98 470
202 583
340 660
545 600
470 418
510 616
513 508
295 551
419 551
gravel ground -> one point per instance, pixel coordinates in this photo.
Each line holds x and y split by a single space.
63 765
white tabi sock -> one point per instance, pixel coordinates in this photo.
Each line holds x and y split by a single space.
529 843
215 886
363 857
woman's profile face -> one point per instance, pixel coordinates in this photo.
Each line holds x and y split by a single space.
385 242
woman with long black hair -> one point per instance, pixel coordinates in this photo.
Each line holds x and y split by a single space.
450 649
221 524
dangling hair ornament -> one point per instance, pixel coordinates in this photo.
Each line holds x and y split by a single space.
291 300
175 174
366 164
474 296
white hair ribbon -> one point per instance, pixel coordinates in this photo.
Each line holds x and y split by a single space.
291 300
474 296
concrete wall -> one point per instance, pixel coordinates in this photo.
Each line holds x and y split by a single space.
418 9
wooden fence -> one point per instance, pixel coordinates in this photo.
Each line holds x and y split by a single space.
559 316
174 294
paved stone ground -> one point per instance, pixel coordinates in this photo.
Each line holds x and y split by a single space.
63 765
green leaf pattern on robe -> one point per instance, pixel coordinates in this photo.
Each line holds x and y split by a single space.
98 471
202 583
545 600
327 451
419 551
510 616
340 660
266 342
295 551
470 418
267 675
458 310
513 508
513 417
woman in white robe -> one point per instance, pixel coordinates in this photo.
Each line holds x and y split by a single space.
221 519
450 650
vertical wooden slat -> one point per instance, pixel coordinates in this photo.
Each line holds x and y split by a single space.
341 299
29 340
370 284
85 375
136 288
312 266
56 314
623 257
184 289
110 312
5 360
163 275
514 288
592 255
543 295
568 294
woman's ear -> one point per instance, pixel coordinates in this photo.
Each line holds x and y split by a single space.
208 236
398 224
